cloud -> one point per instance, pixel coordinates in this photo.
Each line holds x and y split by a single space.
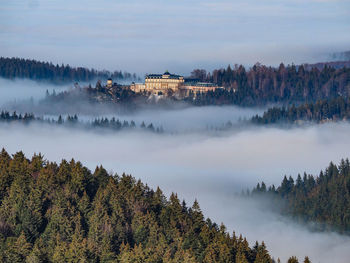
211 168
154 35
20 89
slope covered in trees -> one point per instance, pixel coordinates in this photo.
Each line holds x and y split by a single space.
324 199
286 84
321 111
36 70
112 124
65 213
258 85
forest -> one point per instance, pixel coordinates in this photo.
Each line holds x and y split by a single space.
73 121
63 212
322 199
36 70
256 86
261 85
322 111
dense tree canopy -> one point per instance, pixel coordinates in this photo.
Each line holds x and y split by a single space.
72 121
324 199
65 213
262 85
258 85
321 111
32 69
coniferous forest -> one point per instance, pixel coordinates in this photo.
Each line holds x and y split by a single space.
64 213
259 85
72 121
322 199
36 70
323 110
173 111
262 85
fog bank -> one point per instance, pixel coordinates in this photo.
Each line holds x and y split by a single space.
211 169
19 90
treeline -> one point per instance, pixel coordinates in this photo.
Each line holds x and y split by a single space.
73 121
36 70
323 199
65 213
286 84
321 111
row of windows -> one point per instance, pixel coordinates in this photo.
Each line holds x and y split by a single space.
164 80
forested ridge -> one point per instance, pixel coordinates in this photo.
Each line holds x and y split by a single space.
323 110
261 85
73 121
324 199
65 213
36 70
258 85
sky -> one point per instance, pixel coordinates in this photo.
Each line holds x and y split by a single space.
152 36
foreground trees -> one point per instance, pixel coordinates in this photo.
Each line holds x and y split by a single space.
65 213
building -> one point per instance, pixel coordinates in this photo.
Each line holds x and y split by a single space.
163 83
138 87
197 87
172 85
109 83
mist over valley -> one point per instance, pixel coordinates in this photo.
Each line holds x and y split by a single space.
175 131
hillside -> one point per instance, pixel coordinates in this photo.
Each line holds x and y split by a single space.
37 70
65 213
322 199
322 111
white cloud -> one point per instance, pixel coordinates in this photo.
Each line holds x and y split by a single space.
210 168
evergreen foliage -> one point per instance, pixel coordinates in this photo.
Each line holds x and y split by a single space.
321 111
262 85
323 199
65 213
36 70
112 124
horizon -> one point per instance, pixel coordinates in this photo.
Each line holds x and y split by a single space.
122 36
261 148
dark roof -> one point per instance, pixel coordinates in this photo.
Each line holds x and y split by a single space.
155 76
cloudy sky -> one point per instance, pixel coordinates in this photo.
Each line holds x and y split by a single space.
154 35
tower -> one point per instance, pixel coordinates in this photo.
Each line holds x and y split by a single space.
109 83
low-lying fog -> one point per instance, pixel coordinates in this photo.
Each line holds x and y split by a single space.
191 118
16 95
211 169
18 90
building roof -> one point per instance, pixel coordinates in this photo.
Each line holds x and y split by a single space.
201 84
166 73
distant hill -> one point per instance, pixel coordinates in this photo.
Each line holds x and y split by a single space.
262 85
321 111
333 64
37 70
345 55
336 60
